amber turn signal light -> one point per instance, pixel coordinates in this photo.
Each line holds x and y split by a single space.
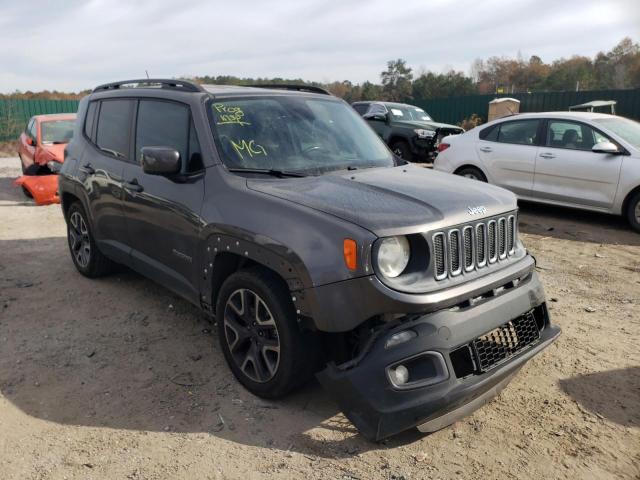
350 253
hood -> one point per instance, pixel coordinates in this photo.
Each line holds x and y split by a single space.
389 201
57 150
427 125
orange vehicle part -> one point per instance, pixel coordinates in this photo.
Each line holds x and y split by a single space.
43 188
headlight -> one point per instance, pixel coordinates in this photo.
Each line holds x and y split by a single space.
393 256
424 133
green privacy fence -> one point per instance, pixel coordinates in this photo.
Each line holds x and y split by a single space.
456 109
15 113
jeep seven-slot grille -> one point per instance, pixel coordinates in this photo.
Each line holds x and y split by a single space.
469 247
502 343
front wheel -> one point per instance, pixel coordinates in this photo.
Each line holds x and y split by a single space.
88 260
472 173
633 212
402 149
260 336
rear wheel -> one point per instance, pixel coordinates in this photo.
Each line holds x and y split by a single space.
633 212
402 149
89 261
472 173
259 334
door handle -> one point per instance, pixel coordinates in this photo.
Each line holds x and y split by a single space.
547 155
486 149
87 168
133 186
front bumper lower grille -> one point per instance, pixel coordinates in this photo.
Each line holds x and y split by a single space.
500 344
470 247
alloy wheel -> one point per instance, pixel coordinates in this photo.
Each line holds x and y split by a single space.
252 335
637 212
471 176
79 239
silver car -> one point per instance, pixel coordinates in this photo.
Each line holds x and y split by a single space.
576 159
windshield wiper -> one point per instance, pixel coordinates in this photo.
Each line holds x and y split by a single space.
268 171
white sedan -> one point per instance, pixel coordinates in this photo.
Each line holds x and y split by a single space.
575 159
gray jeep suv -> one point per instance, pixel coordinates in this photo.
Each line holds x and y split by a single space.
283 215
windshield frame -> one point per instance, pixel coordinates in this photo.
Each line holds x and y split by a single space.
406 108
43 126
222 159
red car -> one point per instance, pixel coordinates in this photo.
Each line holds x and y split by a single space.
43 141
41 151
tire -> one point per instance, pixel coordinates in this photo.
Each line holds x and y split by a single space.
26 192
264 347
633 212
86 257
31 170
473 173
401 149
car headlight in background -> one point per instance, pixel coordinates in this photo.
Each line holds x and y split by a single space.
422 133
393 256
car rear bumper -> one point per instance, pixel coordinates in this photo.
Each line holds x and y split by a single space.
449 385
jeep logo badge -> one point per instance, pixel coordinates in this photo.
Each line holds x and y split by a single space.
481 210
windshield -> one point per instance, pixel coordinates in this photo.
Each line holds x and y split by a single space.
407 112
295 134
627 129
57 131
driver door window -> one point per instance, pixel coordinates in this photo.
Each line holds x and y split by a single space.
572 135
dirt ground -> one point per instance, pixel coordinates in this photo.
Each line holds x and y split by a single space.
118 378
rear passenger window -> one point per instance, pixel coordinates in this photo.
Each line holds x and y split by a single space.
112 135
89 121
168 124
521 132
490 134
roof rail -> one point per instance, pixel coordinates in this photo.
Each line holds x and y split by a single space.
183 85
299 88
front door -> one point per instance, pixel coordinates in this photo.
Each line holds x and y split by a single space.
509 154
568 171
162 212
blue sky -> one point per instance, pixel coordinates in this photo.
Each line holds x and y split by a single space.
74 45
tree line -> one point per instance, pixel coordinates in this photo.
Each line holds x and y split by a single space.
618 68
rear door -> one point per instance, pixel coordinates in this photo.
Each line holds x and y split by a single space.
568 171
163 212
508 152
107 127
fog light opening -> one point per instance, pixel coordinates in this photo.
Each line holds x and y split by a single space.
400 375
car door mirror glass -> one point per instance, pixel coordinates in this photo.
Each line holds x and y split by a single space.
160 160
377 116
605 147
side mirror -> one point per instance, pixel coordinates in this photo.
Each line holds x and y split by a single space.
379 117
605 147
160 160
31 142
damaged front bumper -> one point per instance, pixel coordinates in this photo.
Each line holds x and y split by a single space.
452 362
43 188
